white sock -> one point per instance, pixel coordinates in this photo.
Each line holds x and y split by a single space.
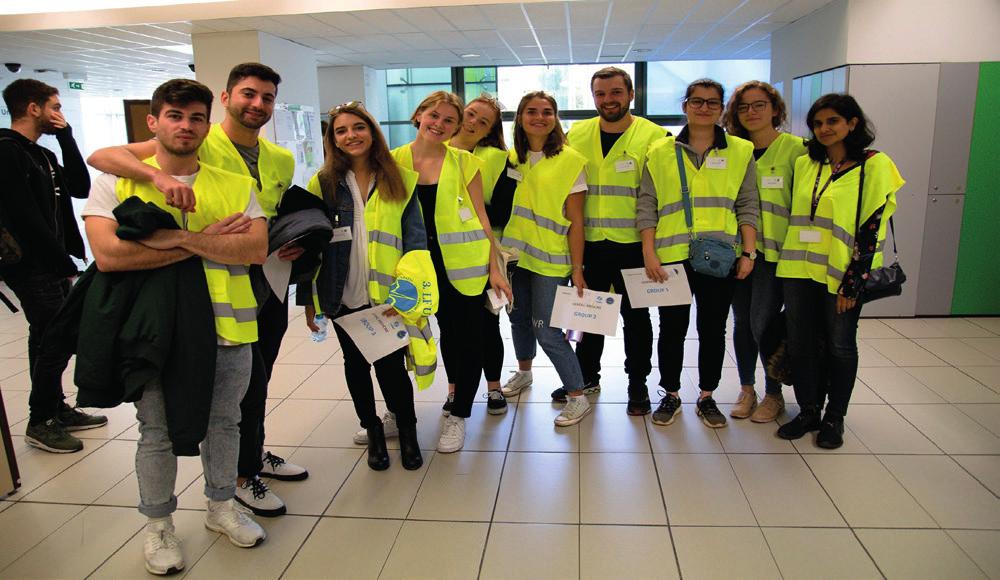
526 373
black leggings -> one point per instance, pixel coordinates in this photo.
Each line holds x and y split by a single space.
460 319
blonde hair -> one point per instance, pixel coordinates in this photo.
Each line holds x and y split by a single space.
431 100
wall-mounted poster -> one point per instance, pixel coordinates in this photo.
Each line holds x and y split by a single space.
294 129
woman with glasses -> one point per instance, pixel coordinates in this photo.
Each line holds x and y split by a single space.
842 197
481 134
719 171
546 226
755 112
366 192
461 243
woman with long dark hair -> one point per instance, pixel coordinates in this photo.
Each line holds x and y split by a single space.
366 191
842 198
755 112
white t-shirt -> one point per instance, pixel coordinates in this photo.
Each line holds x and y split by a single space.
104 199
356 287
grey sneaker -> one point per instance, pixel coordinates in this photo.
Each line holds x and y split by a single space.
710 413
388 425
575 410
51 436
667 411
73 419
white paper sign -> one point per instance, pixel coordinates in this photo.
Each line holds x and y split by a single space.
277 272
594 312
643 292
374 333
772 182
716 163
496 303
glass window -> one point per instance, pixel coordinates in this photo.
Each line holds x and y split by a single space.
480 80
667 80
409 76
400 134
405 88
569 84
404 99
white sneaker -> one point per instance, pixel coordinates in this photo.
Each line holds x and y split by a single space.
224 518
255 495
518 381
277 468
388 425
575 410
161 548
452 435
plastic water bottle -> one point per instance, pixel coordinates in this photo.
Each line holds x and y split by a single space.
319 335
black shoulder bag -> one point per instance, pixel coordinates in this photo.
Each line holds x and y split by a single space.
886 281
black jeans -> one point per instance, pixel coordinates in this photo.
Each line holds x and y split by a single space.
492 342
811 312
393 380
757 301
712 297
460 319
272 322
41 296
603 263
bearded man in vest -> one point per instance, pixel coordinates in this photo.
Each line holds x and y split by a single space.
236 145
615 145
228 233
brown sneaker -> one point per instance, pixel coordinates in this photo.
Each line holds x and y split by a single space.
769 409
745 405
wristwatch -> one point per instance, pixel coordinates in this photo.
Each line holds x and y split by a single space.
752 255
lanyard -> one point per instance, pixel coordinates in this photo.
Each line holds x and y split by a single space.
817 195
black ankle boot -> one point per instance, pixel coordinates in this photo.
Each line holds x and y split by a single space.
831 432
409 449
378 455
806 421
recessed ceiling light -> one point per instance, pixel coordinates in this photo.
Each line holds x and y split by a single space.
641 50
470 55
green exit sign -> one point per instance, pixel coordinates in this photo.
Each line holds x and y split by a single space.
76 85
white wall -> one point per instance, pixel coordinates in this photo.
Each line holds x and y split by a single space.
811 44
913 31
340 84
215 54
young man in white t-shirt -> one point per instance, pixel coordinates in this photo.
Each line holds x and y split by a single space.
180 112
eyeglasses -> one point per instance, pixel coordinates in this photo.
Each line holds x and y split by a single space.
757 106
347 105
698 102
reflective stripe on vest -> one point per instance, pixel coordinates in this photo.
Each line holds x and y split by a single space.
609 206
538 226
778 161
713 195
275 164
826 260
220 194
464 245
384 221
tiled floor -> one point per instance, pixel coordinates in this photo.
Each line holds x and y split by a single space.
912 494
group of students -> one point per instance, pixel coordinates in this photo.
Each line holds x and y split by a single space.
806 219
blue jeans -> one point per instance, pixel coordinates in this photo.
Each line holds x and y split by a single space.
812 318
155 463
756 303
534 296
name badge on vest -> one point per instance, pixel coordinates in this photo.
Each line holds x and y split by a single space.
514 174
341 234
772 181
625 165
809 236
464 214
716 163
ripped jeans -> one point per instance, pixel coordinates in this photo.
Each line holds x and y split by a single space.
534 295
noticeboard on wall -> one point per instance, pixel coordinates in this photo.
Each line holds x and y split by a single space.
294 129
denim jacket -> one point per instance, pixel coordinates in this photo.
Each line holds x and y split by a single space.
336 259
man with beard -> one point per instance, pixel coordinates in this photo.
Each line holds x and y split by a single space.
615 145
236 145
37 213
228 232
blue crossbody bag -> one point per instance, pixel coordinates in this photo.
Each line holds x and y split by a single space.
707 255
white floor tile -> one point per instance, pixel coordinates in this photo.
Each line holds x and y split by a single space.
702 490
604 477
883 430
534 430
90 478
610 429
436 551
782 491
723 553
328 468
540 488
949 494
687 434
981 546
459 486
24 525
985 468
819 553
918 554
953 385
986 415
286 378
379 494
640 552
895 385
544 551
986 375
268 560
956 352
292 422
345 548
950 429
327 382
903 352
745 436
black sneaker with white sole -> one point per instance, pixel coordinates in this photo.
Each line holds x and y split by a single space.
73 419
496 404
667 411
254 495
277 468
559 395
51 436
710 414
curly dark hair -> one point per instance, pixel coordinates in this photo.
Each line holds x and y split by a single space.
731 118
856 142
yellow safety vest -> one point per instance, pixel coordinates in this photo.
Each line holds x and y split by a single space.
774 182
613 181
494 162
538 226
415 295
827 260
713 194
275 164
464 245
220 194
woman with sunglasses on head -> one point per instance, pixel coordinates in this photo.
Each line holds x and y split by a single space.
719 171
755 112
546 226
461 243
366 193
481 134
842 198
